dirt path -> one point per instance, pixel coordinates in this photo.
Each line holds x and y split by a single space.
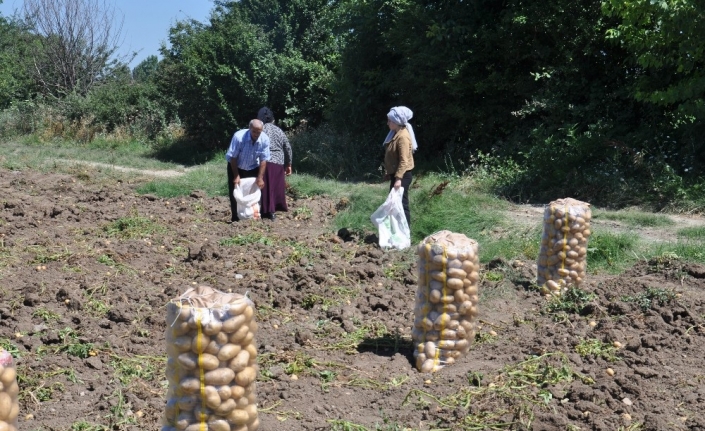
160 173
532 215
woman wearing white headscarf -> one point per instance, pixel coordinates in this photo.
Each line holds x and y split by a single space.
399 147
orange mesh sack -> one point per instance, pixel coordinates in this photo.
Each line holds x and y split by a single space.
562 260
9 390
211 362
446 300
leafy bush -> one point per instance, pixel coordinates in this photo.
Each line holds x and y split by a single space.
24 117
136 107
326 153
118 107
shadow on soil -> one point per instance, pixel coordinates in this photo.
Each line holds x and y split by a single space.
388 346
186 152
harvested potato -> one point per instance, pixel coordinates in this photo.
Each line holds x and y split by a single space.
562 259
9 390
446 299
211 363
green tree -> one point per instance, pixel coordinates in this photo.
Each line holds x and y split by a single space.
483 74
250 53
14 78
146 69
666 42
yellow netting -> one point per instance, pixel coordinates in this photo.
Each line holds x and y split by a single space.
212 362
446 299
562 259
9 391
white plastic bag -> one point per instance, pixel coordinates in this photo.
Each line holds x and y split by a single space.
391 222
247 195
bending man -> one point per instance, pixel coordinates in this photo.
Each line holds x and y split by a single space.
247 158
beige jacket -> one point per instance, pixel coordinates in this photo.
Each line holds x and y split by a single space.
398 157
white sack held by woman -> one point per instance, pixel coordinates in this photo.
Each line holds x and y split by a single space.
391 222
247 195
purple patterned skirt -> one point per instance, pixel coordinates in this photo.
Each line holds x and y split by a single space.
274 191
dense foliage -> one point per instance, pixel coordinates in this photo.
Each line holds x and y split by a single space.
600 101
14 69
251 54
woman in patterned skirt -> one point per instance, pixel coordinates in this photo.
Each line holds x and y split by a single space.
278 166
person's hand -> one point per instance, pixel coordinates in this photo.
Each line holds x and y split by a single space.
397 184
236 181
288 170
260 182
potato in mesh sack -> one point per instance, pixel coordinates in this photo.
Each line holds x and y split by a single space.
212 362
446 300
562 260
9 390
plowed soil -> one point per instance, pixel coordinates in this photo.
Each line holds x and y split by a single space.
87 266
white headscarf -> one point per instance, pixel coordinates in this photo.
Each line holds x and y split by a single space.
401 115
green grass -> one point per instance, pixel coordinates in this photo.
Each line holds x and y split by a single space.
210 177
635 218
652 295
573 301
47 156
690 251
72 344
46 315
611 252
145 368
363 201
693 233
344 425
10 347
522 388
597 348
247 239
305 185
134 226
87 426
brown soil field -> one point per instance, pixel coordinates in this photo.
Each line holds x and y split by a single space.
87 266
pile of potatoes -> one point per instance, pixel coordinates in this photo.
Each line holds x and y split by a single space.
446 300
9 403
562 261
212 362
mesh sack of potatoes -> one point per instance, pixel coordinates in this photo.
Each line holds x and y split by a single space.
9 402
211 362
446 300
562 259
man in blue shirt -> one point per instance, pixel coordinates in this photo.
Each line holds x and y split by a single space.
247 158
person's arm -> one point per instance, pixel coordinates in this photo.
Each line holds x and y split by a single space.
236 171
232 156
287 154
260 174
264 156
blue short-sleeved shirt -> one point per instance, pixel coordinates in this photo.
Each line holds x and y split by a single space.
249 154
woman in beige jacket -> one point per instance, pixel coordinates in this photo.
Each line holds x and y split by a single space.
399 147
